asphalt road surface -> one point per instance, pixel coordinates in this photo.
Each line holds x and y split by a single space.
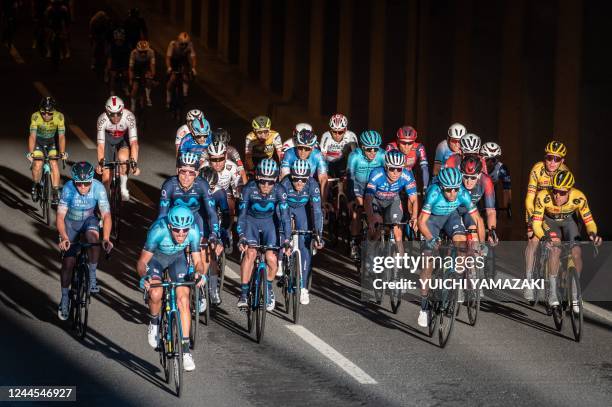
344 352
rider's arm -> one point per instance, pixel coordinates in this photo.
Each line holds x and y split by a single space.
585 214
166 197
504 176
489 200
33 130
322 174
315 203
145 258
104 207
209 207
422 223
193 56
61 226
438 158
410 187
538 214
131 65
132 135
532 187
422 156
248 154
197 263
278 146
101 136
242 211
284 212
285 167
152 62
61 133
62 209
169 56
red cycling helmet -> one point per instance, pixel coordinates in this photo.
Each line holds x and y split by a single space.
471 165
406 133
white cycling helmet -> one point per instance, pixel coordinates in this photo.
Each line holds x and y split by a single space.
490 150
470 144
301 126
193 114
338 122
456 131
394 158
114 104
217 149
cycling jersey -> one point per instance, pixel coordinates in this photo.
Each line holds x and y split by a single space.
359 167
234 155
483 188
229 178
115 133
77 206
197 198
160 240
256 210
260 149
315 158
443 151
539 179
501 173
141 63
382 189
336 150
309 194
179 56
545 208
47 130
437 204
415 155
181 132
189 144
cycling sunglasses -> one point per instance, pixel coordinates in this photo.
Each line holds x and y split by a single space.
559 192
304 148
299 179
116 114
407 143
82 184
470 177
394 169
217 160
266 182
370 149
449 190
179 230
338 131
188 172
554 158
43 113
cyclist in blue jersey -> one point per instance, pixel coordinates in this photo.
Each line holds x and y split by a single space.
497 171
440 213
302 190
76 215
261 199
360 163
164 249
449 146
219 196
382 196
198 140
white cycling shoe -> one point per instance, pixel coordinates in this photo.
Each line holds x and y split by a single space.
152 335
423 319
304 297
188 363
63 311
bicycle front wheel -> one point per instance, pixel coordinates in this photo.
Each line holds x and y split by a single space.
296 283
261 302
575 301
195 316
447 317
45 201
472 302
162 343
177 356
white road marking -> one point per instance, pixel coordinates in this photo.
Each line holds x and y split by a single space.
349 367
16 56
82 136
42 89
600 312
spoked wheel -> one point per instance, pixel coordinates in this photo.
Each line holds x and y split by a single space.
162 344
286 278
395 295
177 356
261 302
575 300
472 303
205 296
295 281
251 305
447 317
82 302
344 221
195 317
45 200
221 262
116 208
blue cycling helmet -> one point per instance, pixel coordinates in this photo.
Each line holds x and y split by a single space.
180 217
450 178
306 137
267 168
200 127
370 138
188 159
82 172
300 168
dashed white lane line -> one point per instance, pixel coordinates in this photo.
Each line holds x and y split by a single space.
326 350
82 136
42 89
16 56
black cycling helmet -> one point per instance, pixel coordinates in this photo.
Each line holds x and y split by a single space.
47 104
221 135
211 176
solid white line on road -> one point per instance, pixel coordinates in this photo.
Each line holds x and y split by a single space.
16 56
332 354
42 89
82 136
598 311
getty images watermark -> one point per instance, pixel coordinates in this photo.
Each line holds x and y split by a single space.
460 264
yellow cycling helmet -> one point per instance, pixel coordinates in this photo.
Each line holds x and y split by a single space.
563 181
261 123
556 148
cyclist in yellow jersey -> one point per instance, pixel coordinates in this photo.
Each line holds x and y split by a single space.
261 143
47 133
540 178
553 221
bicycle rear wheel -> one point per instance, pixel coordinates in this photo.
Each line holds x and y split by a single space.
115 208
45 201
295 281
575 294
260 303
447 317
177 354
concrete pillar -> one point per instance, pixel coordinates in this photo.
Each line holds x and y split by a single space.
567 80
188 10
510 123
289 54
223 30
243 54
266 43
422 69
461 66
204 11
377 65
412 58
315 73
345 57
